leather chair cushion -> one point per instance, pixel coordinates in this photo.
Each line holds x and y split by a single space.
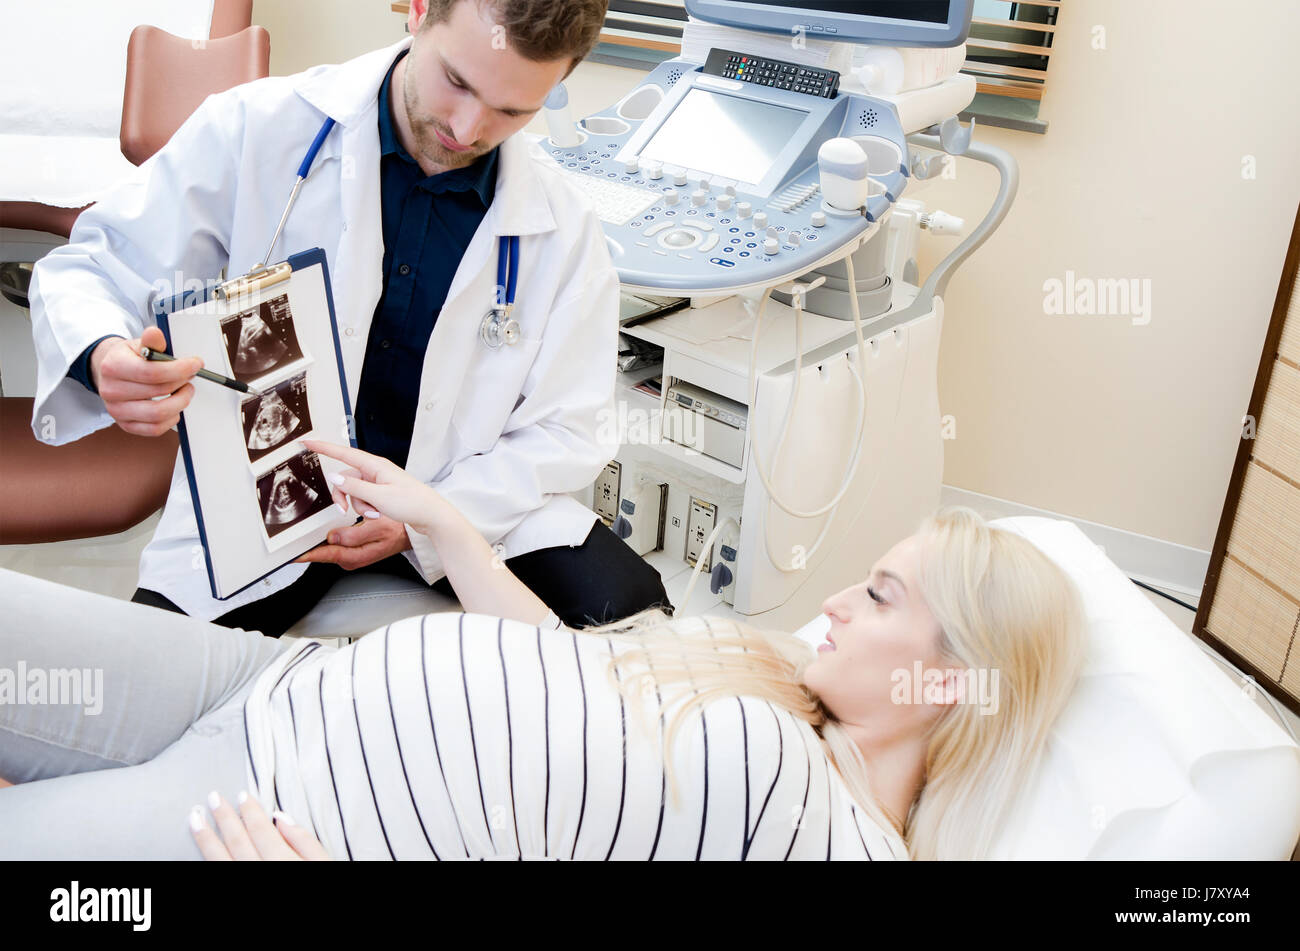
99 485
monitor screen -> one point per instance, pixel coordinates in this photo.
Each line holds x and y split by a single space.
724 135
928 11
936 23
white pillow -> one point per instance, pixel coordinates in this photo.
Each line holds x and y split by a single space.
1160 754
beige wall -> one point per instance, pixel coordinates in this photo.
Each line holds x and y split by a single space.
1139 176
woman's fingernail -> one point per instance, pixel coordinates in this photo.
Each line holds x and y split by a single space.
283 818
340 508
336 478
196 820
373 514
214 800
242 797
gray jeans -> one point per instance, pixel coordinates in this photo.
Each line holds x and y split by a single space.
115 719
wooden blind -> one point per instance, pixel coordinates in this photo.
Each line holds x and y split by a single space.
1250 607
1008 51
648 24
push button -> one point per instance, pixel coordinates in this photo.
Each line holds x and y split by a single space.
404 270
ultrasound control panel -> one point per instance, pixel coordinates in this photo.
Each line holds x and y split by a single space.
708 183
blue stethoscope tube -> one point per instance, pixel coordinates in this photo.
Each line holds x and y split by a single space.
498 327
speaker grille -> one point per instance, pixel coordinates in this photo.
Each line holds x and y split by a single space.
868 118
673 77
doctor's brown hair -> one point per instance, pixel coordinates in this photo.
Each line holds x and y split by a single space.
539 30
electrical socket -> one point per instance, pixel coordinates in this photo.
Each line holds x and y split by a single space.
606 492
699 524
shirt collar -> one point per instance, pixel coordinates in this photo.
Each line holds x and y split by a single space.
480 176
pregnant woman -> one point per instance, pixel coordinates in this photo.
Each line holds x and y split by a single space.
499 733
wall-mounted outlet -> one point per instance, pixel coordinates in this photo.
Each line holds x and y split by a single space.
703 516
606 493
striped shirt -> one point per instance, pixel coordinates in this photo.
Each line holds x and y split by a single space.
454 736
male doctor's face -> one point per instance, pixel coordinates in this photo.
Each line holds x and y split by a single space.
464 88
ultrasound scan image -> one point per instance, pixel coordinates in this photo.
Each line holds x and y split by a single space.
291 492
273 418
261 341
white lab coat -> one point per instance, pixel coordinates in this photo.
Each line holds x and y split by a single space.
502 435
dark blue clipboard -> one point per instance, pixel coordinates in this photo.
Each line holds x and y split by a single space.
163 308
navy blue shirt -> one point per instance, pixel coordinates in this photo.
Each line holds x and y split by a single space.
428 222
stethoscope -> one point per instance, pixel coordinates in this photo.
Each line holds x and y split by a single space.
498 326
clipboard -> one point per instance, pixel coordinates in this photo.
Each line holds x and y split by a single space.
260 498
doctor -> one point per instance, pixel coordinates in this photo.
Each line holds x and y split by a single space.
408 196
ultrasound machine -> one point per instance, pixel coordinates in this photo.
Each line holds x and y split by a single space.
785 430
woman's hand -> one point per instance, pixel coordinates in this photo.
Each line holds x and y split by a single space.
250 835
382 488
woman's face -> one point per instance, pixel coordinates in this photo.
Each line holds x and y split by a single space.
875 642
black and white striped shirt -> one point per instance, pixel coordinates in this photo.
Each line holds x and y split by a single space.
454 736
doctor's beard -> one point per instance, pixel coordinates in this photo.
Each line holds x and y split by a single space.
422 128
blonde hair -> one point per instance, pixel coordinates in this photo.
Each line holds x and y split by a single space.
1001 605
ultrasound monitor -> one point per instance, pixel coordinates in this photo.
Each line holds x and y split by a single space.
886 22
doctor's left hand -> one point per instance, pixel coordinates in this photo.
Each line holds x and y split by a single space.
360 545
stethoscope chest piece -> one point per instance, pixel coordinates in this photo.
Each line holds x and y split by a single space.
499 328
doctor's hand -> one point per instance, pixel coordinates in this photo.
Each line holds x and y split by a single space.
361 545
128 383
383 491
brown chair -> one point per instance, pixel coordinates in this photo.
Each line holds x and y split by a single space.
109 481
167 77
101 484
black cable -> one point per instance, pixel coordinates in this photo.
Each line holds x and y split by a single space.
1163 595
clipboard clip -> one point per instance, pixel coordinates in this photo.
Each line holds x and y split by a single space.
259 277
